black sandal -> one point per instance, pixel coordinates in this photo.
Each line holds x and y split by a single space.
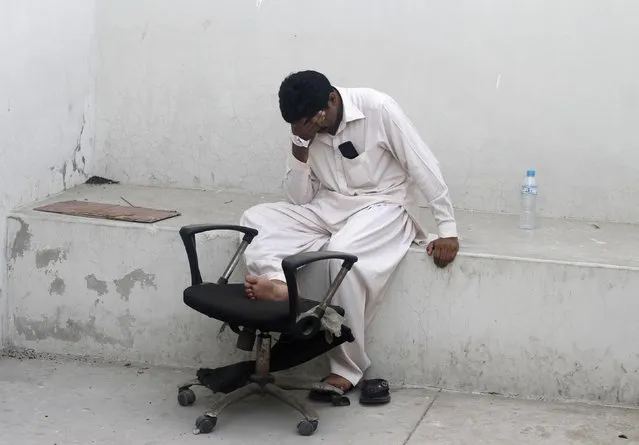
375 392
319 395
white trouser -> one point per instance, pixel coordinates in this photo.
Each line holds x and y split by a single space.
379 236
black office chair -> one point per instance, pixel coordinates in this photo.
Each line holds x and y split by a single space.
299 322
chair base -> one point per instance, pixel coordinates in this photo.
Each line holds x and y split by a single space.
266 385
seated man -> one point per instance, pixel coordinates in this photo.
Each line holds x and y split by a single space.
354 155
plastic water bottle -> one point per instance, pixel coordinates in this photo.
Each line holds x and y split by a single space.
527 218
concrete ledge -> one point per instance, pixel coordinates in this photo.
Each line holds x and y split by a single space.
550 313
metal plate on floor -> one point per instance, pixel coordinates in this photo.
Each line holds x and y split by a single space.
108 211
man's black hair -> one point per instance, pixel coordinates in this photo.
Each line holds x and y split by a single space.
303 94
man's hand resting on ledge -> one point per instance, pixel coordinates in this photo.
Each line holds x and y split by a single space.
443 251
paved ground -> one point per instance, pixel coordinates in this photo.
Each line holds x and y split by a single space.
53 401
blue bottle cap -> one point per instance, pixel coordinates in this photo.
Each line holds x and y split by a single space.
530 173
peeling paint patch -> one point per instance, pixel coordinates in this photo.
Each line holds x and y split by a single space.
70 331
57 286
96 285
46 257
22 241
125 285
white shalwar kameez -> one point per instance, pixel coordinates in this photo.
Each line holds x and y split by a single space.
360 206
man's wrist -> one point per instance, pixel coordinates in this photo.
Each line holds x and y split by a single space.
300 153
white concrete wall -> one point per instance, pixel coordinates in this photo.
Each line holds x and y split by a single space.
187 91
46 104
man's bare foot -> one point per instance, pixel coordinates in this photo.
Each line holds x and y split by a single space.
258 288
338 381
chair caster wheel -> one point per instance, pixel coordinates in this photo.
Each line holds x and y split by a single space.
204 424
186 397
307 427
337 400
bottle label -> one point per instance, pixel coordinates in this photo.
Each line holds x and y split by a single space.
529 190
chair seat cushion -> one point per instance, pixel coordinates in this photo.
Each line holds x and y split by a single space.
229 303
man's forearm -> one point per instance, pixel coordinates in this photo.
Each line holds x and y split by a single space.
444 215
300 153
432 185
299 184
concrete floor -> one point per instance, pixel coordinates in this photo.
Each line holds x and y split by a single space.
58 401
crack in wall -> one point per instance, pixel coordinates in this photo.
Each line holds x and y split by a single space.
78 149
77 162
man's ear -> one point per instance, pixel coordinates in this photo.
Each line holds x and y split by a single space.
332 98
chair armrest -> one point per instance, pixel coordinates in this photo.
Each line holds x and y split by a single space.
291 265
294 262
194 229
187 233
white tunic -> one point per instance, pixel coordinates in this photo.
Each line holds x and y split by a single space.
392 159
360 206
